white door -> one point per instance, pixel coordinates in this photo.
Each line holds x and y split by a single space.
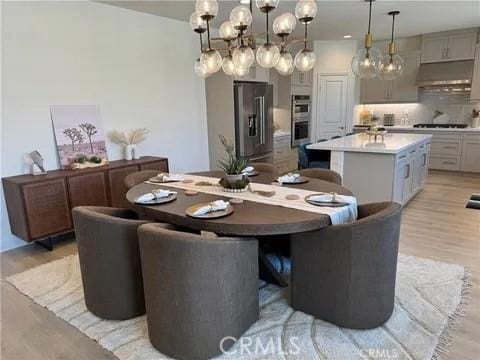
331 106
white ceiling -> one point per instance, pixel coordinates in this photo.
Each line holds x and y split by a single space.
340 17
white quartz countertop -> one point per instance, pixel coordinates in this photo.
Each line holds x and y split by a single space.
430 130
391 144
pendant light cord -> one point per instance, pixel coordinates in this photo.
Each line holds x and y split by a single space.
268 39
208 34
201 43
305 38
370 17
393 26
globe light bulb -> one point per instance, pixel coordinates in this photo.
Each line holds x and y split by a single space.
200 69
197 23
207 7
285 64
306 10
227 31
243 56
305 60
240 16
391 68
228 66
284 24
211 60
240 72
366 63
267 5
268 55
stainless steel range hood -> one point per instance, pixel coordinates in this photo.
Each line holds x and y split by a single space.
445 74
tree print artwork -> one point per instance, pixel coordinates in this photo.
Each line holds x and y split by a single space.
79 136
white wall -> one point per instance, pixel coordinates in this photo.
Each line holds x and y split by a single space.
334 57
137 67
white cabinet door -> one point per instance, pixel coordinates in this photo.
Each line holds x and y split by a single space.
404 88
434 49
301 78
408 180
475 93
470 160
461 46
374 91
331 105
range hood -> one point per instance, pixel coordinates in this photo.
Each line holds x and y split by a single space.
445 74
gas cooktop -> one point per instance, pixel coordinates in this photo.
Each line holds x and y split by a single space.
441 126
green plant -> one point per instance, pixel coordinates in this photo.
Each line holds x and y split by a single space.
231 165
95 160
81 159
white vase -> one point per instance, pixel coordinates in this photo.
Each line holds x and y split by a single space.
135 153
128 152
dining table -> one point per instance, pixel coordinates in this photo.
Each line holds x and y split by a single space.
249 218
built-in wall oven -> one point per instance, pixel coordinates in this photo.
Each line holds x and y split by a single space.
301 118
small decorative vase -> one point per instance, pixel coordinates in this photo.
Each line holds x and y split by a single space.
128 152
135 153
232 179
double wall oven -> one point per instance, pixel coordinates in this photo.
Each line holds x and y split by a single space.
301 119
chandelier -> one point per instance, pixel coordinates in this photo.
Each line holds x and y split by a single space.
237 33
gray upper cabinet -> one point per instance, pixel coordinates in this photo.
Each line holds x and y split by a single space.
449 46
402 90
302 78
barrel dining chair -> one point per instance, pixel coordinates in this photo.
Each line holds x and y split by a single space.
109 257
322 174
198 290
138 177
345 274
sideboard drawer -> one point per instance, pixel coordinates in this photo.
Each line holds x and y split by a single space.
88 189
47 208
444 163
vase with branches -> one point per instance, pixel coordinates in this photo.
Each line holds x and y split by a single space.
129 139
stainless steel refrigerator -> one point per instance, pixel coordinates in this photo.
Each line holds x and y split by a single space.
254 121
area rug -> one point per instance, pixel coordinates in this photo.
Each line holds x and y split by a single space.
429 300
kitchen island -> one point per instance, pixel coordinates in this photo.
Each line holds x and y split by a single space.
392 168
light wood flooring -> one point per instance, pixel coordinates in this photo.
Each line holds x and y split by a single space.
435 225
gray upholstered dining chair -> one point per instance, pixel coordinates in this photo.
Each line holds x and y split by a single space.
322 174
345 274
265 168
139 177
198 290
110 261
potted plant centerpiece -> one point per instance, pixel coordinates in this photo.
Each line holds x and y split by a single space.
233 167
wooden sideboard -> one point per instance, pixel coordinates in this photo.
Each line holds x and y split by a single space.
40 206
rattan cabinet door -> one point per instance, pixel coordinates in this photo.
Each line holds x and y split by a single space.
118 190
47 208
88 189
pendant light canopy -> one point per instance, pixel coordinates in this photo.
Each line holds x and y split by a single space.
366 62
392 65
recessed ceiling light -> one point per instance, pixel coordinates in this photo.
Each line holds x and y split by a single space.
347 36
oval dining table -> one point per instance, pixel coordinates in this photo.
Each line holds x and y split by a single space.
249 219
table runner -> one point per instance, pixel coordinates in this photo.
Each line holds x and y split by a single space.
338 215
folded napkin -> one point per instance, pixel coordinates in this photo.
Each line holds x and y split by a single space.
248 170
288 178
155 194
217 205
170 177
332 198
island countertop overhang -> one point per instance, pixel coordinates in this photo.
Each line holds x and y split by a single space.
391 144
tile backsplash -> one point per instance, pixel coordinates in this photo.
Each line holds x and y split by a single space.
457 107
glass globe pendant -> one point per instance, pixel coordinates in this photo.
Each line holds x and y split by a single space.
207 8
200 69
198 24
211 60
305 11
366 62
243 56
227 31
305 60
228 66
392 65
268 55
285 64
266 5
241 17
284 25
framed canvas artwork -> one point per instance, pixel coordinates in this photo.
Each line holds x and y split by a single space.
79 136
